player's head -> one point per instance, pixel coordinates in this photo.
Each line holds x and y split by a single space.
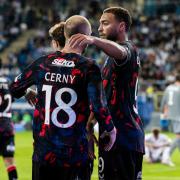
156 132
77 24
57 34
114 22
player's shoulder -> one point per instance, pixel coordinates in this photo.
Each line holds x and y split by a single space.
89 61
130 45
132 54
49 56
44 57
92 67
38 61
41 60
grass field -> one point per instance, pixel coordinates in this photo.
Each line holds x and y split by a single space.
24 152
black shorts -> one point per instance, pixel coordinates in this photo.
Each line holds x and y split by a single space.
47 172
7 147
120 164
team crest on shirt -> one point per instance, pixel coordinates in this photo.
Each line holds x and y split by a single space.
63 62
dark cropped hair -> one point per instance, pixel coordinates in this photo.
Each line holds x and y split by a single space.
121 14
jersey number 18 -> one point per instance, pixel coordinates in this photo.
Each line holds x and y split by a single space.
61 106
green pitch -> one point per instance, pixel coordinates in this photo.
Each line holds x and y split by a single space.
24 153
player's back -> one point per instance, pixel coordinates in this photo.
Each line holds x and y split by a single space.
67 84
62 108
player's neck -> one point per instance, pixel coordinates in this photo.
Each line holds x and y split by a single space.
122 38
67 49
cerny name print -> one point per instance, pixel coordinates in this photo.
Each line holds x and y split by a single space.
63 62
62 78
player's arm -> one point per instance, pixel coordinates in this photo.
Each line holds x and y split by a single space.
23 81
90 128
112 49
98 103
91 136
30 95
91 122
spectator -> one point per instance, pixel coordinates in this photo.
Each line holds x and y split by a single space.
170 108
157 147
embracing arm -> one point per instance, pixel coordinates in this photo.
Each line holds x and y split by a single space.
112 49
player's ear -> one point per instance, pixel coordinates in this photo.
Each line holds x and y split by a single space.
122 26
57 44
65 35
54 44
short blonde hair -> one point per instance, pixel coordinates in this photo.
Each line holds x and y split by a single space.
77 24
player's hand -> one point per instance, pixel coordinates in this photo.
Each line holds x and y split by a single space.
91 135
165 112
31 97
112 138
91 148
80 40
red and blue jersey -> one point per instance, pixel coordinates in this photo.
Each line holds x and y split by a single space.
67 84
120 81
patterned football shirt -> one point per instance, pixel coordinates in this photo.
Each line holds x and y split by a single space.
67 84
120 81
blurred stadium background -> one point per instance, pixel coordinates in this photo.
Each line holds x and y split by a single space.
155 30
